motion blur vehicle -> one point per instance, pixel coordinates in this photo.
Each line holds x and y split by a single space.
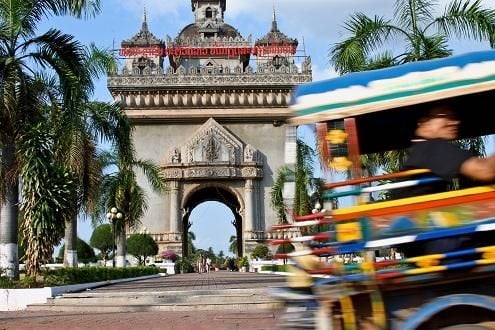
356 286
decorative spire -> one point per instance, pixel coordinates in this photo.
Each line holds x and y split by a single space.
144 37
275 36
274 19
144 26
144 15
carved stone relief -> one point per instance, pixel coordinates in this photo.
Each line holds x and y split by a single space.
213 152
212 144
250 154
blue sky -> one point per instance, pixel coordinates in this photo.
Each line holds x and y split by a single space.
317 24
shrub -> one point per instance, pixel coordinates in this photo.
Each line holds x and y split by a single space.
66 276
6 283
242 262
275 268
85 253
103 240
29 282
141 246
169 255
230 263
260 251
285 248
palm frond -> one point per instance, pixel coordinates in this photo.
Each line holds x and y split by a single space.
276 193
410 14
152 172
367 35
468 19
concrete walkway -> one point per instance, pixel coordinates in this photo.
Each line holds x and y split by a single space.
196 320
204 281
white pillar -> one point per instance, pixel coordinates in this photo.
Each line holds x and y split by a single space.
70 252
121 249
249 207
9 259
174 206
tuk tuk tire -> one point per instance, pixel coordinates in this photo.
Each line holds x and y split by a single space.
432 308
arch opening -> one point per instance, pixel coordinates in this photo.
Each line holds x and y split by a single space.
212 197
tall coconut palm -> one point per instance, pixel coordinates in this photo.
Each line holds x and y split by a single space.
80 128
20 50
422 36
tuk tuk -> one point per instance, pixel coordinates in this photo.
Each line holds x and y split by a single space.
376 111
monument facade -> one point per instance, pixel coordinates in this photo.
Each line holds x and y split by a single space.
210 106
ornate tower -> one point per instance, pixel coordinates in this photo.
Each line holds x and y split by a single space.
275 48
213 118
143 52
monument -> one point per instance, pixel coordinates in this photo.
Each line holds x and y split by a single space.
213 117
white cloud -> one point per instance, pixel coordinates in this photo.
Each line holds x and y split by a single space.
320 73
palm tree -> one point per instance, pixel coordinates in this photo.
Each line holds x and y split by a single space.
20 47
191 249
233 245
120 189
305 183
423 37
79 131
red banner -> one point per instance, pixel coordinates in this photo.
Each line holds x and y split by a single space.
206 51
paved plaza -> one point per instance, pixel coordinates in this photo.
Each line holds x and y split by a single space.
197 320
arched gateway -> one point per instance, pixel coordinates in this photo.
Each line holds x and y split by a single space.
213 119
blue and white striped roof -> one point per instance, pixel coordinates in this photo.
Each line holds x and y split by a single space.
412 83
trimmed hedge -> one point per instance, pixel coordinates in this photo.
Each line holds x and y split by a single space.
70 275
275 268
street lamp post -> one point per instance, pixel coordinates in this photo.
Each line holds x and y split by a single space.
113 216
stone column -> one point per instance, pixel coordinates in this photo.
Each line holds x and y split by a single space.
120 259
249 207
174 206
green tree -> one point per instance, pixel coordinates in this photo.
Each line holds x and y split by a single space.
119 188
85 253
80 128
191 237
47 188
422 36
142 246
22 52
102 239
276 194
305 183
284 249
233 245
260 251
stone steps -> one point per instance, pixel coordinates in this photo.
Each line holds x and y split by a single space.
227 299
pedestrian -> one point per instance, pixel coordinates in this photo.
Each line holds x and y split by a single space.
208 264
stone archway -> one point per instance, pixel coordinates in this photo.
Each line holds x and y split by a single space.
214 165
213 193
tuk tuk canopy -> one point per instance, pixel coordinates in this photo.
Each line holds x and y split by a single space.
387 103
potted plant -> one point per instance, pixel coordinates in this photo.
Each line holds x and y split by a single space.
242 264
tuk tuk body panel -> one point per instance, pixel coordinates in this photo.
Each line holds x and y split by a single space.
363 92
